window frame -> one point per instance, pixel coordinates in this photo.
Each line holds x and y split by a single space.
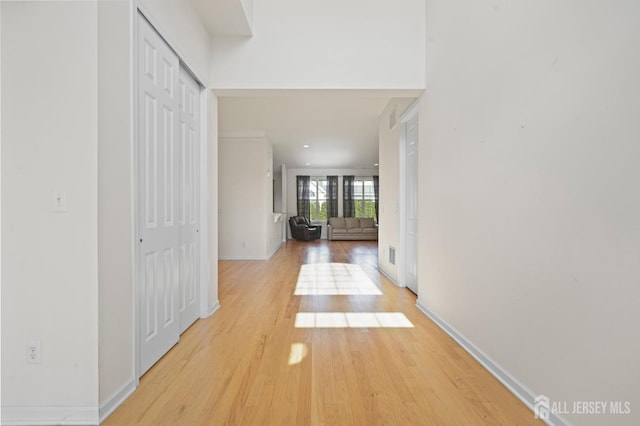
362 201
317 201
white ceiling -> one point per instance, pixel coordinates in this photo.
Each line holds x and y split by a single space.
340 127
225 17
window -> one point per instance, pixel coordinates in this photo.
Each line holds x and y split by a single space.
364 197
318 198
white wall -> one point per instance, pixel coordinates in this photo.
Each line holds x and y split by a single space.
71 129
283 206
247 5
292 187
180 25
529 191
49 259
277 190
273 225
245 188
278 204
389 169
360 44
284 177
115 224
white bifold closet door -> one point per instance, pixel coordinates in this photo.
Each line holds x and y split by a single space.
167 198
189 199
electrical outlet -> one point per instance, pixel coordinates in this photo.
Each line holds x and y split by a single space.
34 352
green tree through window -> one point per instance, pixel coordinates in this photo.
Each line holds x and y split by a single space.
318 198
364 197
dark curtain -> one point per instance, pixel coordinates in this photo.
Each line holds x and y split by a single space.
304 206
332 196
348 207
376 184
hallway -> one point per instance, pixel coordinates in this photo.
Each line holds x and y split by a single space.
307 338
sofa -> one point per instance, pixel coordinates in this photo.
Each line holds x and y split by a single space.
352 228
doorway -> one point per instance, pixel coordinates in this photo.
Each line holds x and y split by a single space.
408 272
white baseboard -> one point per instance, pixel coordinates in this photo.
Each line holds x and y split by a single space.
116 399
275 249
387 276
214 308
515 387
45 416
242 258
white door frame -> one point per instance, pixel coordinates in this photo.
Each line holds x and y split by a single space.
205 267
411 112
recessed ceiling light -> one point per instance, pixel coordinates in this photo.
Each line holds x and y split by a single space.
376 164
307 164
305 146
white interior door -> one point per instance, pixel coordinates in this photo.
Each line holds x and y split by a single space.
189 199
158 225
411 204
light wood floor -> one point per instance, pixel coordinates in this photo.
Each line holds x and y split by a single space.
249 364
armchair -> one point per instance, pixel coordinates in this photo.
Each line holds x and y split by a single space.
302 230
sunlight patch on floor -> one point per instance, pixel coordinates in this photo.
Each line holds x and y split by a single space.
352 320
297 354
334 279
